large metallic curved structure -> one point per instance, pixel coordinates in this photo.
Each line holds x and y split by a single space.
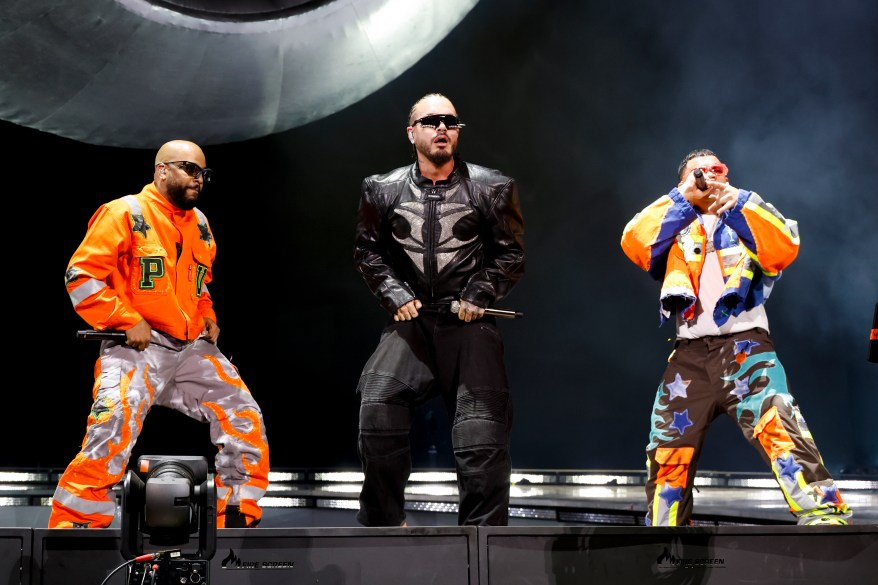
130 73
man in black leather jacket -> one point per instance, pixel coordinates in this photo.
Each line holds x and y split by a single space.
437 231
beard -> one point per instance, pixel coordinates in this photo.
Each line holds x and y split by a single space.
439 158
178 196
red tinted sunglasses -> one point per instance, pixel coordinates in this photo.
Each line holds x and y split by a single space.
718 170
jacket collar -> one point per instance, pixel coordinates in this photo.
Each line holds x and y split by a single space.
422 181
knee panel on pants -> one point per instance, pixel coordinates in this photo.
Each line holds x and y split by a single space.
481 446
374 387
491 404
379 418
478 432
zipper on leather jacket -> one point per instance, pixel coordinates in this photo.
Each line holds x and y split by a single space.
432 196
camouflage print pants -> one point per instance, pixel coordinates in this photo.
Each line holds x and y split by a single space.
193 378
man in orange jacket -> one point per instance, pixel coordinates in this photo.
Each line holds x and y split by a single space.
143 268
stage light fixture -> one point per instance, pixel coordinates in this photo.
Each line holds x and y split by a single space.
169 520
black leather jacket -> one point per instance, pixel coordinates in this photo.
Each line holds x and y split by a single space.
458 239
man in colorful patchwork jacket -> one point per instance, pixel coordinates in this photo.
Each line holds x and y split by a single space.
143 269
718 251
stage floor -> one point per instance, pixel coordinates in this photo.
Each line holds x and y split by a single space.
328 498
566 527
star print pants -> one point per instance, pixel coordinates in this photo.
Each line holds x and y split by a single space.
738 375
193 378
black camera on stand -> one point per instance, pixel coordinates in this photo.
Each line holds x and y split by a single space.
169 520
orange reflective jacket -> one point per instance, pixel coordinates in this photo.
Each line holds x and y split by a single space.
143 258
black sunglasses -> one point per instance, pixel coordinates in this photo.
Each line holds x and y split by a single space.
433 120
190 168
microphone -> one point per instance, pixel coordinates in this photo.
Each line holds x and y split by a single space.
101 335
493 312
699 180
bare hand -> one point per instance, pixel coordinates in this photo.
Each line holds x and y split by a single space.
718 198
695 196
469 312
408 311
211 331
724 197
138 336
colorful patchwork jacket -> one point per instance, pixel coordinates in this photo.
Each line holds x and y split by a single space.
753 242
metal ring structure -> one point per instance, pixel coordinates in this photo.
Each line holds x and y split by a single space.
130 73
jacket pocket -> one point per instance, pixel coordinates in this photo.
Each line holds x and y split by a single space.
149 271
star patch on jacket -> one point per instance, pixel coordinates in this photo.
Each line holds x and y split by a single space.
205 233
140 225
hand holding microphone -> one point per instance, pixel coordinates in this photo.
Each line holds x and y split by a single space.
493 312
699 180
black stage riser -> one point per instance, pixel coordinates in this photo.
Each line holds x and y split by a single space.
470 556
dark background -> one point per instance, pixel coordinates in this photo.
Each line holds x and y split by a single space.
591 106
